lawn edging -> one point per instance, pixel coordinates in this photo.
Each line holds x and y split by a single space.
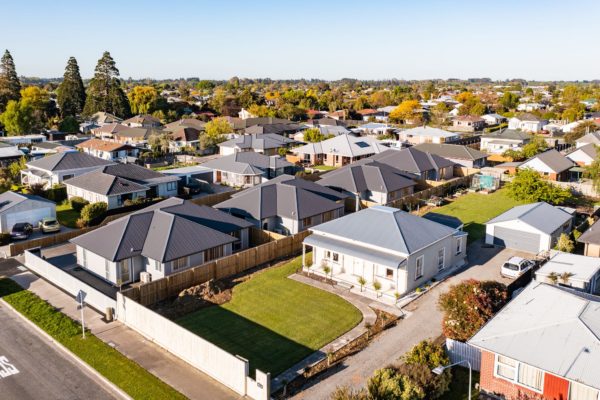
114 388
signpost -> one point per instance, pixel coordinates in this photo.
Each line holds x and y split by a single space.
81 299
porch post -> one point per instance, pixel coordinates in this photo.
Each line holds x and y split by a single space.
303 255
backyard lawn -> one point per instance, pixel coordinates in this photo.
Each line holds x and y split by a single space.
475 209
324 167
460 384
273 321
66 215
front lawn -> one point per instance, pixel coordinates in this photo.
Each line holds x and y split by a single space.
475 209
66 215
124 373
274 321
324 167
460 383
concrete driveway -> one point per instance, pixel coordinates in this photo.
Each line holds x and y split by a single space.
35 235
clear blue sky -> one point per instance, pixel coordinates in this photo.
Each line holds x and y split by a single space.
418 39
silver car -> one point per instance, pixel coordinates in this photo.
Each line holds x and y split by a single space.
515 267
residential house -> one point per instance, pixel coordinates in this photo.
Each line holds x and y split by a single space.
527 122
590 138
247 169
370 114
426 134
184 137
267 144
245 114
59 167
9 153
550 164
24 139
160 240
528 107
18 207
468 123
374 128
584 155
499 141
381 244
108 131
326 130
286 205
458 154
43 149
187 123
493 119
283 129
417 164
544 344
103 118
339 151
369 181
142 121
591 239
532 228
106 150
117 183
571 270
135 135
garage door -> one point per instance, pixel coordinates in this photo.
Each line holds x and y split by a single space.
518 240
31 216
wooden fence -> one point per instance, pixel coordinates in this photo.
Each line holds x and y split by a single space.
170 286
212 199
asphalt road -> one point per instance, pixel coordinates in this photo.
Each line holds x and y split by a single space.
33 368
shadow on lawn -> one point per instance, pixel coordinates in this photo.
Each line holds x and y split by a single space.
263 348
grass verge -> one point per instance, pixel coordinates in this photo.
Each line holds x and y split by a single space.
124 373
66 215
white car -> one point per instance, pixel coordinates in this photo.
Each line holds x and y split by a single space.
515 267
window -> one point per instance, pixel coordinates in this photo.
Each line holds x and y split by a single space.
419 267
441 257
336 257
84 258
307 221
124 270
459 245
577 391
327 216
158 266
327 254
107 269
519 373
171 185
213 254
179 263
389 273
531 377
506 367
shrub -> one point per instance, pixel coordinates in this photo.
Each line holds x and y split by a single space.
77 203
418 365
346 393
576 234
93 211
565 243
4 239
388 384
36 189
530 187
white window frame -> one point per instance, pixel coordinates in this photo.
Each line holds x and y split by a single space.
84 257
335 258
157 265
572 384
107 269
443 251
516 369
171 186
419 267
177 260
459 245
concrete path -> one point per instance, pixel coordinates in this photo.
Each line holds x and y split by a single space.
170 369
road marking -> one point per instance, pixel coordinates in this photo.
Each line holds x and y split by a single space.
6 368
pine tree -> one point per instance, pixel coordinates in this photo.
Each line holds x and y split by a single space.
105 92
10 86
71 93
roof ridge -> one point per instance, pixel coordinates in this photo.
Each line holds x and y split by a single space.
170 236
396 214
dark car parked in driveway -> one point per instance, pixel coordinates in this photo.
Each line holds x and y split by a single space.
21 230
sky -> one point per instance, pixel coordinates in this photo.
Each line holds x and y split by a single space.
327 39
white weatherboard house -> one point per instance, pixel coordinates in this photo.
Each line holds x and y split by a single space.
382 244
532 228
571 270
17 207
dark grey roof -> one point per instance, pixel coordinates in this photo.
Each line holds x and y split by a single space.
592 137
412 160
258 142
10 199
276 128
186 122
386 228
239 123
138 133
185 134
541 216
247 163
138 174
448 220
453 151
510 134
592 235
553 159
166 231
284 196
366 175
105 184
68 160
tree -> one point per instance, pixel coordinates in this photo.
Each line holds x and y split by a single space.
418 365
509 101
71 92
407 111
15 168
90 212
535 146
581 130
468 305
313 135
160 143
18 118
69 124
105 92
565 243
592 171
261 111
528 186
143 99
10 86
388 384
39 101
214 132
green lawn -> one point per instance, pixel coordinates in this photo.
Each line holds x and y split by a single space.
273 321
475 209
324 167
460 383
124 373
66 215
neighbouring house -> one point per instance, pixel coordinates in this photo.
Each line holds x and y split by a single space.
527 122
142 121
18 207
571 270
326 130
550 164
468 123
458 154
339 151
370 181
370 114
267 144
283 129
375 128
418 164
584 155
184 137
192 175
103 118
544 344
106 150
160 240
591 239
43 149
530 107
286 205
245 114
9 153
493 119
426 134
590 138
115 184
532 228
135 135
108 131
59 167
24 139
502 140
381 244
187 123
247 169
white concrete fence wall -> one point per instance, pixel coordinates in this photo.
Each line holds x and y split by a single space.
460 351
68 283
230 370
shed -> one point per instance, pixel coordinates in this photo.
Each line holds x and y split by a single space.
18 207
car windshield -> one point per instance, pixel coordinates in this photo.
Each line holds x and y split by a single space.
50 222
512 267
19 227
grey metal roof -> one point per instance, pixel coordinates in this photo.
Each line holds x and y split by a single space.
186 122
165 231
68 160
257 142
412 160
589 149
138 174
451 151
10 199
344 145
283 196
592 235
553 159
448 220
276 128
386 227
581 268
105 184
509 134
138 133
542 216
592 137
366 175
551 328
247 163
